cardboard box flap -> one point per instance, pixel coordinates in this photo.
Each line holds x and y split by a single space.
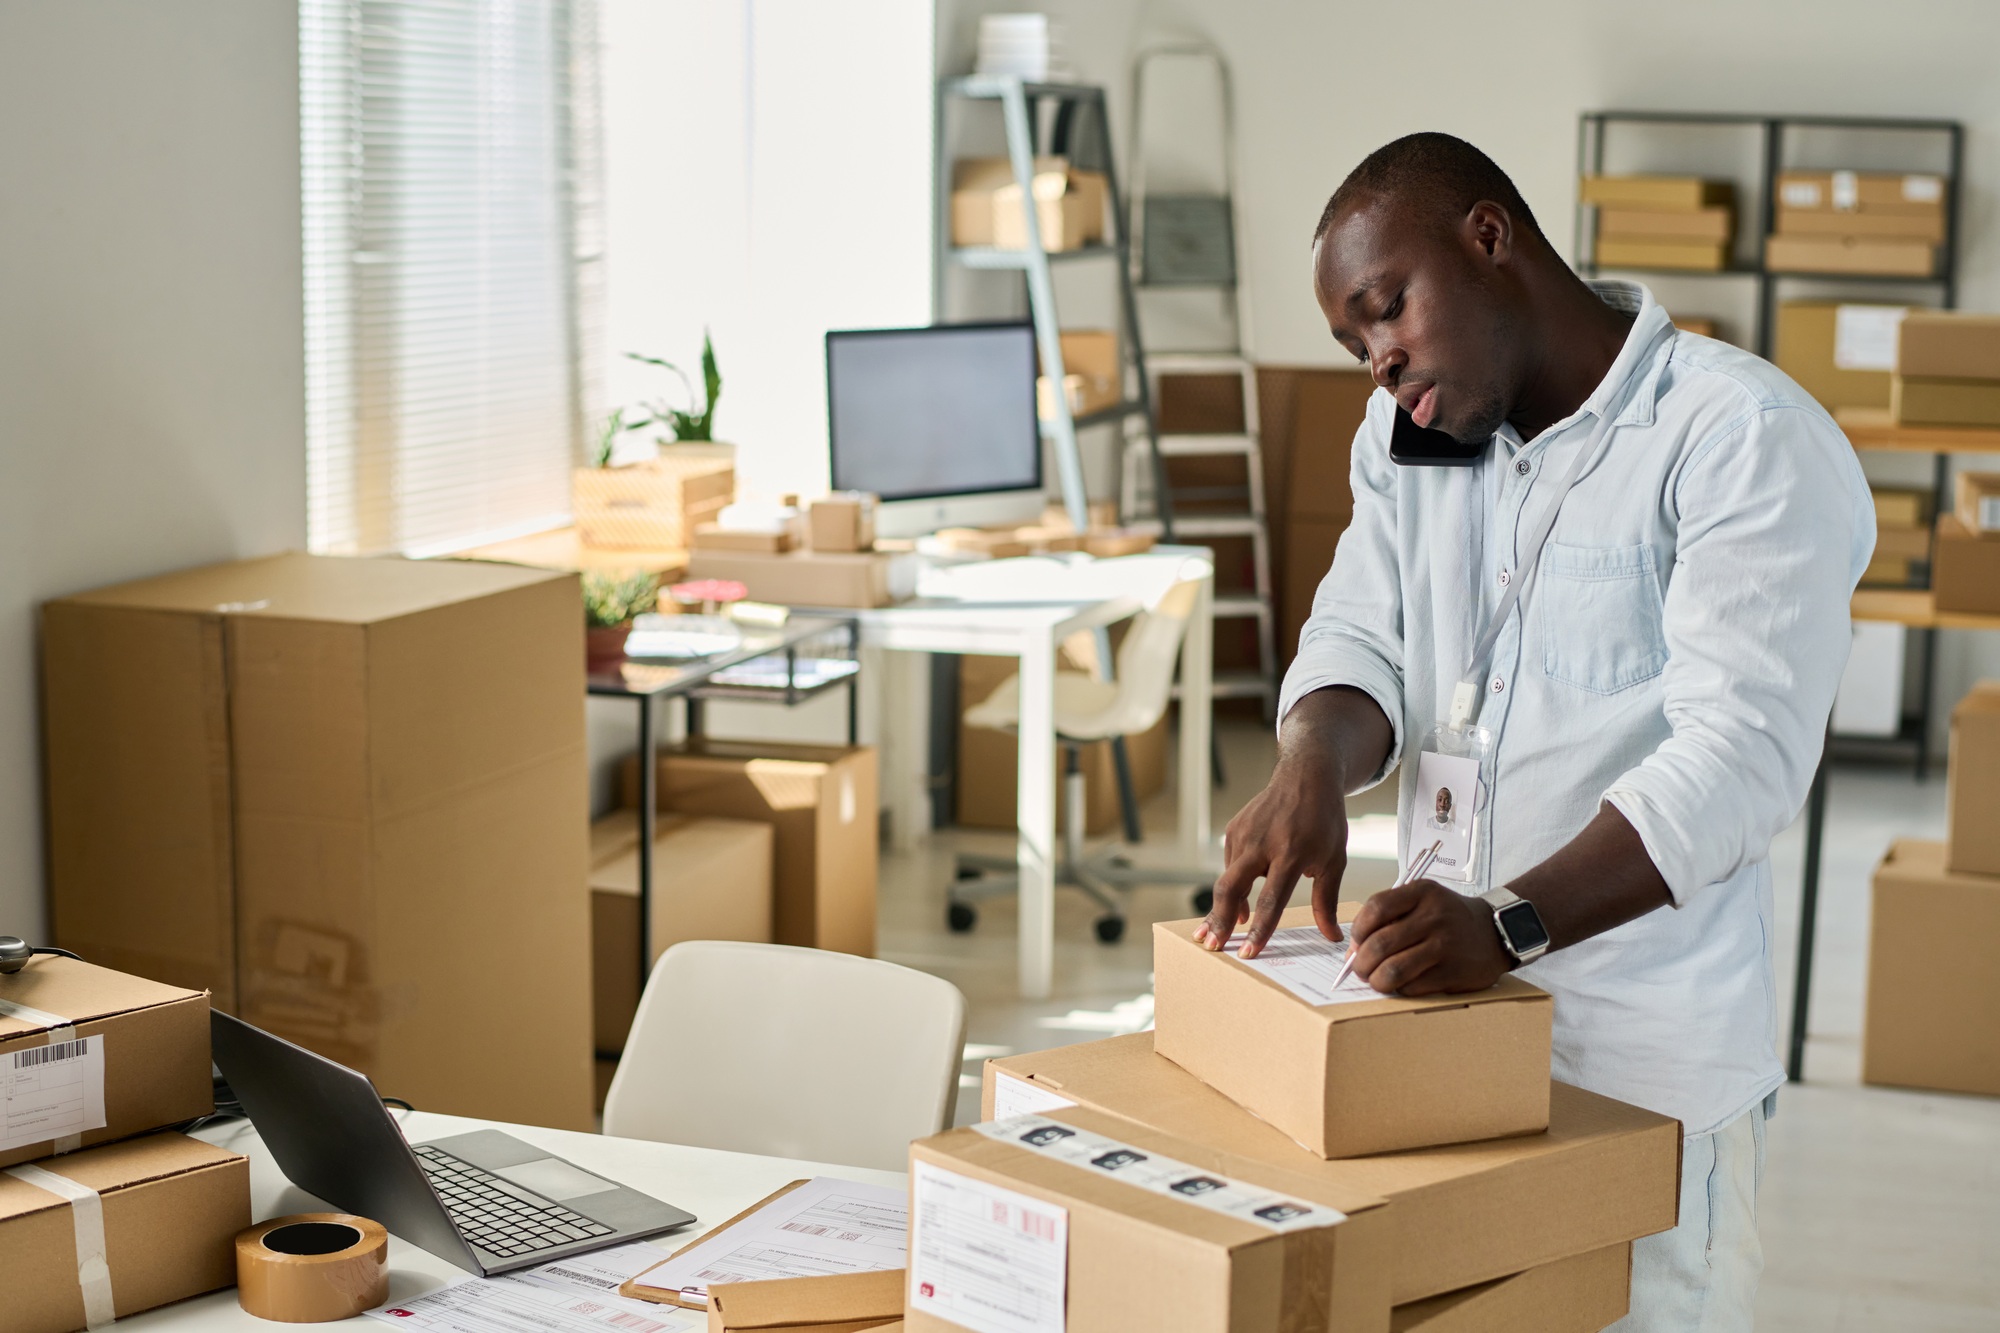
113 1167
79 992
1983 700
842 1298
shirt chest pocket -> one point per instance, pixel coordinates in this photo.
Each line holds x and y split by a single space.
1601 616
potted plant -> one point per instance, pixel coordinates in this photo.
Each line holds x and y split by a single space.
657 503
610 603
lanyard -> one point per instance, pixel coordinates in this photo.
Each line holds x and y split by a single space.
1466 697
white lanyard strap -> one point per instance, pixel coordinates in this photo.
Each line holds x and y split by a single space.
1465 698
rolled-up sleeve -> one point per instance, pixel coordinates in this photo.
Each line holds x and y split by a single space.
1355 634
1775 526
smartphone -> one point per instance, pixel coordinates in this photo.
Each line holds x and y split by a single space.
1418 446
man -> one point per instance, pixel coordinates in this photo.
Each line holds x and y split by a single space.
1650 701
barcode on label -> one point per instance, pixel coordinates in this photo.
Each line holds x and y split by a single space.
46 1055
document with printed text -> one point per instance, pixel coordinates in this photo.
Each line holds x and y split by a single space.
1305 963
512 1305
824 1226
52 1091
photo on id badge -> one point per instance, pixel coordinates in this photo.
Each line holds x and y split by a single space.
1447 801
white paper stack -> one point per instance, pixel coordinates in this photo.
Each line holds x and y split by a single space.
1028 45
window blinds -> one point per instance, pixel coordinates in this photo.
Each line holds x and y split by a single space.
452 244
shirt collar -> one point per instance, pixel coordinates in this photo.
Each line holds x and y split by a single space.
1631 387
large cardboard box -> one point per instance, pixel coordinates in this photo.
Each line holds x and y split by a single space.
1928 402
986 204
144 1061
1460 1214
857 579
1933 1015
1109 1226
836 1303
1946 344
1356 1077
1841 353
1927 227
1578 1295
1965 569
1972 837
1672 193
171 1205
1713 225
1977 502
1910 194
656 503
711 881
1882 256
1662 252
822 804
332 792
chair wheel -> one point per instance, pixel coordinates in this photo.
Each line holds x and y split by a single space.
1110 929
960 917
1204 901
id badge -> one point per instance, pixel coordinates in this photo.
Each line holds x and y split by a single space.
1453 782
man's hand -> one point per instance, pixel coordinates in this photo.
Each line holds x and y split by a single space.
1424 939
1296 826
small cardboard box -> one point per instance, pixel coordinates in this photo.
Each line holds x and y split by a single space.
1092 1250
838 1303
1902 543
1929 402
1662 252
711 881
1091 377
1713 225
150 1058
715 537
1880 256
1904 506
1945 344
172 1206
844 521
1684 194
1933 1012
1810 349
822 804
1965 569
1347 1079
1978 503
858 579
986 204
1972 838
1582 1294
1913 194
655 503
1603 1173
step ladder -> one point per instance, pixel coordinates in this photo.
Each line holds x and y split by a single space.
1187 241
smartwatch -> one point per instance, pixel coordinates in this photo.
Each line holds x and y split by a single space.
1522 933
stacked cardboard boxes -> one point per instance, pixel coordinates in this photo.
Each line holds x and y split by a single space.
1902 536
1877 223
92 1063
1947 370
654 504
1933 1011
1843 353
1662 221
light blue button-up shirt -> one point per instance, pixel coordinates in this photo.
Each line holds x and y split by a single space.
1675 654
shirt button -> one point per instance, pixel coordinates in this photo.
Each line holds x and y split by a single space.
1504 577
1498 684
1521 467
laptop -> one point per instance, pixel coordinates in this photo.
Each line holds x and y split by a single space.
485 1201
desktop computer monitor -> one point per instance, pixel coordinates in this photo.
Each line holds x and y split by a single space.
940 422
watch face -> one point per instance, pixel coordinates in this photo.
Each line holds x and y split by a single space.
1523 927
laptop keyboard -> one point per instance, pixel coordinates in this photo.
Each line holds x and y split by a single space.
499 1216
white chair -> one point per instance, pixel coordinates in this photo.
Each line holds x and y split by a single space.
764 1048
1088 709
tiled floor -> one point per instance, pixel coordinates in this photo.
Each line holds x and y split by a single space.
1880 1209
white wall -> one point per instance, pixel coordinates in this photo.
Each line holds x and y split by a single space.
151 380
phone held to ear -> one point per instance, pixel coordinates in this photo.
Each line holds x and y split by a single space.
1419 446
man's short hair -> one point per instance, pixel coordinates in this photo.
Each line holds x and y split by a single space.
1436 176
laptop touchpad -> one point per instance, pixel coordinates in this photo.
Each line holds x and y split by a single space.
555 1179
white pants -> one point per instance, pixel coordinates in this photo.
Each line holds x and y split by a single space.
1701 1277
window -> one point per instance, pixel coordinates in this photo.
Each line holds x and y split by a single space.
450 160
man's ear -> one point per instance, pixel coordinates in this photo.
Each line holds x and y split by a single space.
1489 229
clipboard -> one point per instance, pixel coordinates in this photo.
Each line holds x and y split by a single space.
636 1288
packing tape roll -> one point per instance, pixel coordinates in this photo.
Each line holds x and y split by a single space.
312 1268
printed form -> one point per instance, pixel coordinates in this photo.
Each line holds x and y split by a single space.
985 1257
824 1226
1305 963
50 1092
574 1295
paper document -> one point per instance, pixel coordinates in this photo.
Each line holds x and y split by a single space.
985 1257
824 1226
1305 963
51 1092
600 1270
1017 1096
509 1305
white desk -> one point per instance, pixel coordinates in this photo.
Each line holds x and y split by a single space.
713 1185
1025 608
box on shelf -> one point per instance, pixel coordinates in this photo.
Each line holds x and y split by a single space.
1902 543
836 1303
1931 402
1876 256
1715 226
1465 1213
1700 324
715 537
843 521
711 881
1583 1294
1842 353
1911 193
822 804
1684 194
1933 1010
1887 572
1091 376
1972 838
1122 1227
1946 344
1370 1075
1978 502
1965 569
655 503
171 1206
1927 227
145 1063
1902 506
847 579
1651 252
272 779
986 204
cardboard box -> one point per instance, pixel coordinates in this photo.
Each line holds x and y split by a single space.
1700 324
1121 1255
1933 1014
1902 506
1669 193
822 804
856 579
843 521
1927 227
151 1055
1092 377
1349 1079
288 781
1876 256
1583 1294
1461 1214
1972 839
1651 252
715 537
1909 194
1944 344
711 881
172 1206
1849 371
655 503
1927 402
1978 502
1887 572
1965 570
986 204
1902 543
1715 226
838 1303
